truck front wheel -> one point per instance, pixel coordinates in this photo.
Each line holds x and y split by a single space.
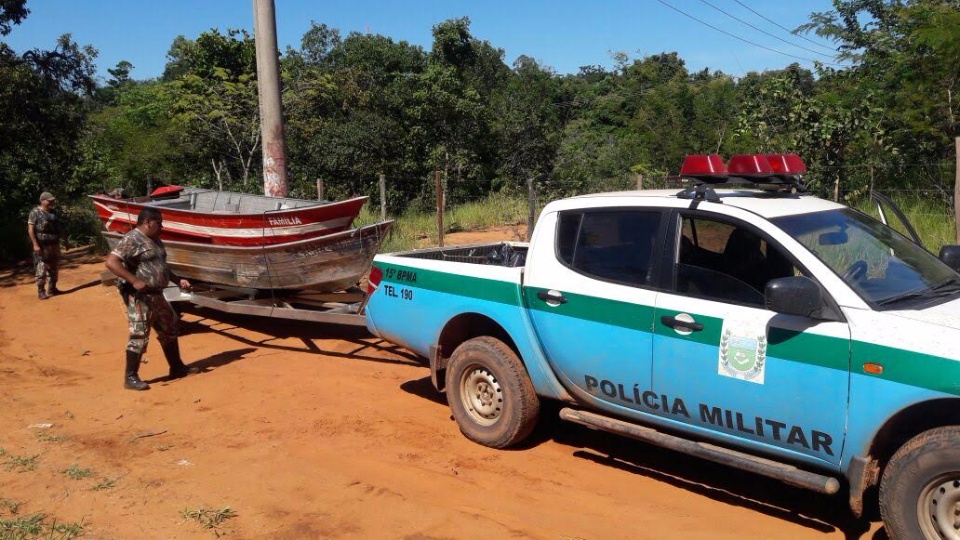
920 489
490 394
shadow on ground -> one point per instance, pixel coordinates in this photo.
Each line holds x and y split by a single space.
277 332
818 512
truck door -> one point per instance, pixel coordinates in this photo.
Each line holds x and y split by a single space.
591 301
761 378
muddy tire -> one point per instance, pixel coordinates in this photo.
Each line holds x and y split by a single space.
490 394
920 488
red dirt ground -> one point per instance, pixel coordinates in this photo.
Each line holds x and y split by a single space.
319 431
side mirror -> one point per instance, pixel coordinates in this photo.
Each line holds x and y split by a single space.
795 295
951 256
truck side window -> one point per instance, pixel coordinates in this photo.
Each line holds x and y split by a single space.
724 262
614 245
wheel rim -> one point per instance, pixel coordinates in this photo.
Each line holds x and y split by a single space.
938 508
481 395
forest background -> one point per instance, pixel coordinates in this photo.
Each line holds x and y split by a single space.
363 105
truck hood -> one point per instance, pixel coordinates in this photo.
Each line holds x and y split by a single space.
946 314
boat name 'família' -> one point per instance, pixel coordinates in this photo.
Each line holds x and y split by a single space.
282 221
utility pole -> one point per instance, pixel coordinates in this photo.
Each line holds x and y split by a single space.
271 108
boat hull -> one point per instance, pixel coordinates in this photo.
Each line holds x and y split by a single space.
231 219
328 263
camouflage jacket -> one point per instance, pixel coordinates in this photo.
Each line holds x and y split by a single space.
145 258
45 225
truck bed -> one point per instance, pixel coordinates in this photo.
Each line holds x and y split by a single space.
505 254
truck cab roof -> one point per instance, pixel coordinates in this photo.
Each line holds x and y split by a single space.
763 203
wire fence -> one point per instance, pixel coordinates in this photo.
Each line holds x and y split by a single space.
930 185
924 192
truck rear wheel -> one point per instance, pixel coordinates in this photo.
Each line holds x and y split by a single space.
490 394
920 489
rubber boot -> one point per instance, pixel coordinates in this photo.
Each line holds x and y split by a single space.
41 292
53 290
131 380
171 351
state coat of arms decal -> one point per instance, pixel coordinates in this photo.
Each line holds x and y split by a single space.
743 353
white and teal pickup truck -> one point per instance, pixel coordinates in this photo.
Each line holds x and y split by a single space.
757 327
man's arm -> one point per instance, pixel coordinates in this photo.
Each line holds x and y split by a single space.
115 265
32 233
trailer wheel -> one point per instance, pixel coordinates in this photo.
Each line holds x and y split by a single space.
490 394
920 489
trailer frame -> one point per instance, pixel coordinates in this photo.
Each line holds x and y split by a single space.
343 307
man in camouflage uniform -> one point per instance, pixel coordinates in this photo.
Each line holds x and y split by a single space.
44 231
140 261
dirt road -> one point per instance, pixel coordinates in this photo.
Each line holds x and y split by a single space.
312 431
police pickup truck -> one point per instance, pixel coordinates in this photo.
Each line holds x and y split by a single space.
737 320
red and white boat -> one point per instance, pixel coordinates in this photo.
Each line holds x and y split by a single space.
228 218
327 263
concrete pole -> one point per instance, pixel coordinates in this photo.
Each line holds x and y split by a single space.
271 108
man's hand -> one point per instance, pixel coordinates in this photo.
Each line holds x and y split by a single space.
185 284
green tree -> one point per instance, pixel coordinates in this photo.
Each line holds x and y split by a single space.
12 12
906 54
213 79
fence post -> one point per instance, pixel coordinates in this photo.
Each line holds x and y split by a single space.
319 189
383 197
639 181
836 189
436 175
956 188
531 205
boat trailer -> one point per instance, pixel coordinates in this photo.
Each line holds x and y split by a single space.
342 307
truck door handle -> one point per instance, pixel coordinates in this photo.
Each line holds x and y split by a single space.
673 322
552 297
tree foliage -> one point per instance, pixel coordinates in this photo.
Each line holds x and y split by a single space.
362 105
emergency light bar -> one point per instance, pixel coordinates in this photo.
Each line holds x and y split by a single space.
758 169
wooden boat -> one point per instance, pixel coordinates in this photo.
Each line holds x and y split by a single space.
326 263
227 218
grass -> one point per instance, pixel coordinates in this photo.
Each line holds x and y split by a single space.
21 463
37 526
10 505
76 473
933 220
411 228
209 518
106 483
45 436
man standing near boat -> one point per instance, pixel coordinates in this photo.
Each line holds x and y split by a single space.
44 231
140 261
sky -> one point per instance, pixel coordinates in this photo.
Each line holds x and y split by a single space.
561 34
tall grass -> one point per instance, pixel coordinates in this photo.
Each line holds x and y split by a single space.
413 229
933 220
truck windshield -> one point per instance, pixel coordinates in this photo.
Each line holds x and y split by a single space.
885 268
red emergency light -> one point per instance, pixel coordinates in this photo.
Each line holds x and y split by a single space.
786 164
749 166
704 166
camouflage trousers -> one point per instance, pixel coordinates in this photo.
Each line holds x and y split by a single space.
146 311
47 264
